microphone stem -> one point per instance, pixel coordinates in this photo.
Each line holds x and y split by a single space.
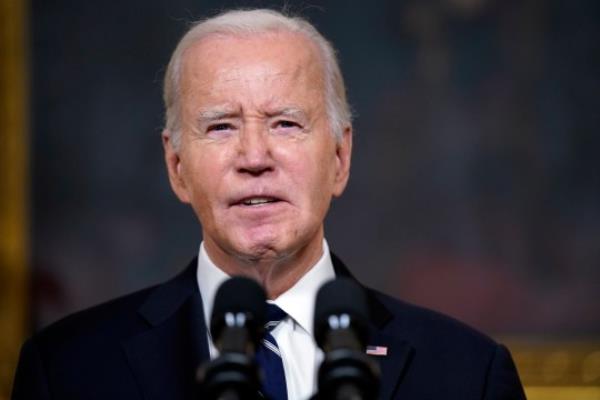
348 391
229 394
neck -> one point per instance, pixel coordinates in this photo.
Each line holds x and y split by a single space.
276 272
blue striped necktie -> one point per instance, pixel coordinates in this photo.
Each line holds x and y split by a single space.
268 357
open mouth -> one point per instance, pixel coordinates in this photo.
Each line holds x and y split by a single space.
258 201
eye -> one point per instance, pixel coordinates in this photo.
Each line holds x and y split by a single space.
223 126
285 125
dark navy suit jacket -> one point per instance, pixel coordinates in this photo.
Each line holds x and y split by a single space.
148 345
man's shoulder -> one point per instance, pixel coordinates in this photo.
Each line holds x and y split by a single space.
432 330
427 331
100 347
464 363
111 321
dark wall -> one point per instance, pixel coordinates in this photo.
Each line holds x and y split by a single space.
475 186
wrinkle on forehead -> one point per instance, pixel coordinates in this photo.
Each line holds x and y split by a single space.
248 75
212 52
252 76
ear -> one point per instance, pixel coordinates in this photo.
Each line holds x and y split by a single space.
175 168
343 157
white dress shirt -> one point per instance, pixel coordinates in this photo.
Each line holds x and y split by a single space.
294 335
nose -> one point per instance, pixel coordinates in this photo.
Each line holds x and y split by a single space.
255 156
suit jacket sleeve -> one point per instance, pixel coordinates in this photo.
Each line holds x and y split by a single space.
30 378
503 381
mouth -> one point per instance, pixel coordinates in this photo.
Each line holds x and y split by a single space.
257 201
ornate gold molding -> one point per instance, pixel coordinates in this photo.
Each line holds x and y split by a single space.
14 183
558 370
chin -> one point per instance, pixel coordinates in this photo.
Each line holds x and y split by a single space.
259 252
269 242
258 246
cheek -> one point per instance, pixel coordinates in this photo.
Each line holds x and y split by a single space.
202 170
325 163
313 173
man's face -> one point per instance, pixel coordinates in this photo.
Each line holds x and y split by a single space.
257 160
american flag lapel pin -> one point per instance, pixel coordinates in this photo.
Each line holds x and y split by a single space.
377 350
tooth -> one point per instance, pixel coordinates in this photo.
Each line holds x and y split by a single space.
255 201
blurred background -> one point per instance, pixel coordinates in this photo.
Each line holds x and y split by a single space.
475 186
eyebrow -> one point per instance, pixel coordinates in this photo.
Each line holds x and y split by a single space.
216 114
288 112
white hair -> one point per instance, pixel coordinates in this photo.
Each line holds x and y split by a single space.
250 22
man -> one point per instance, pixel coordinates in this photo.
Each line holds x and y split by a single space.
258 140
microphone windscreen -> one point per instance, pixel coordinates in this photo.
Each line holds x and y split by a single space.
336 297
238 295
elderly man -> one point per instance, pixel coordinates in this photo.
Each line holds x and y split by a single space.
258 141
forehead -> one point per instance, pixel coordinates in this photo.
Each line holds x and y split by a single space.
269 60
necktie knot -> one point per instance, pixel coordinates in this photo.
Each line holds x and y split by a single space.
274 316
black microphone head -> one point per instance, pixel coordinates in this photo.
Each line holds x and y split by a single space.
242 297
341 297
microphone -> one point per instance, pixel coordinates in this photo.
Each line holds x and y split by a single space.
236 326
340 326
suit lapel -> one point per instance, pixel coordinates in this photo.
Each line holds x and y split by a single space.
164 358
393 364
399 351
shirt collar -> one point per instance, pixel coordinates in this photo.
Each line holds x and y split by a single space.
298 301
209 277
